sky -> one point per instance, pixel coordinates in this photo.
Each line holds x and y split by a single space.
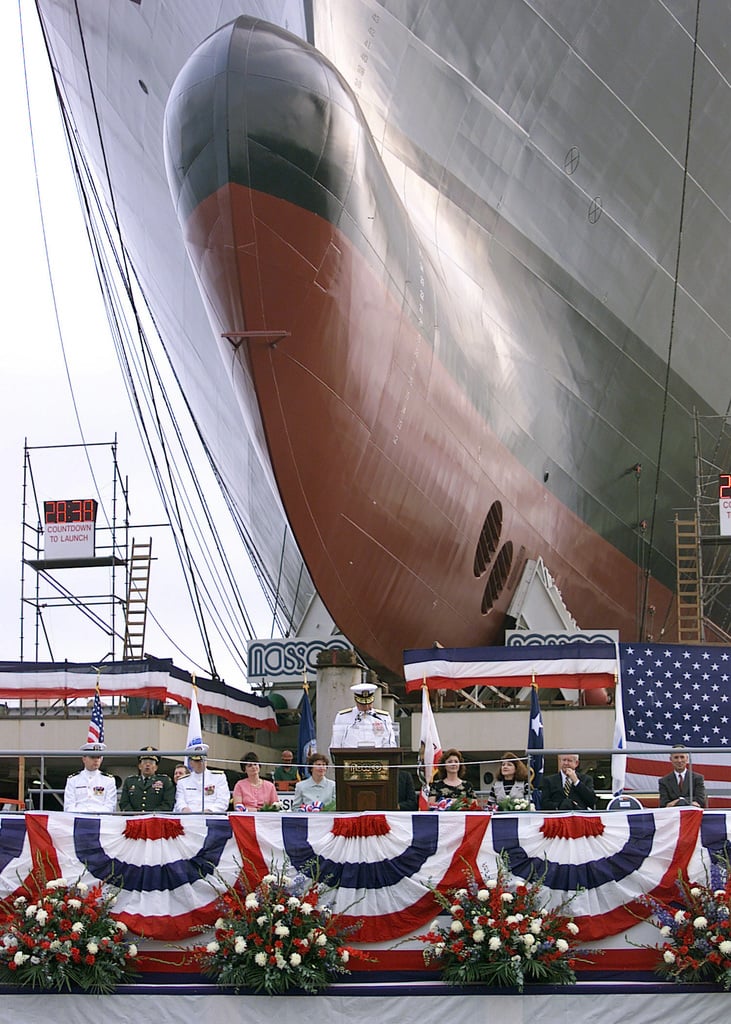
44 345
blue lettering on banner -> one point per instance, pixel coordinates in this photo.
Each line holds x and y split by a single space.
283 661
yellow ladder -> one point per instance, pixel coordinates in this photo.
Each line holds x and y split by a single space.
688 580
137 590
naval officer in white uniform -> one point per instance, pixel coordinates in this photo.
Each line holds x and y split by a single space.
90 789
363 725
203 791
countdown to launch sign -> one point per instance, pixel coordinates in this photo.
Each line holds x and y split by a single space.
69 526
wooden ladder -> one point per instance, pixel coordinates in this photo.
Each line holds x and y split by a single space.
688 580
137 591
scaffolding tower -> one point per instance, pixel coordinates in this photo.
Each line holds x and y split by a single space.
702 548
107 549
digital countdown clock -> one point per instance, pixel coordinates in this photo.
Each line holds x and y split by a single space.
724 504
73 510
69 529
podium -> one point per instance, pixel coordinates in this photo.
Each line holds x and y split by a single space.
366 778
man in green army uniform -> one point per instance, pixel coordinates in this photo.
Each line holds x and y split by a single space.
147 791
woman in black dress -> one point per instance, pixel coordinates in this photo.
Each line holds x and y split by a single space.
450 783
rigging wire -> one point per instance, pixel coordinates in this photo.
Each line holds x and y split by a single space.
49 274
668 362
147 376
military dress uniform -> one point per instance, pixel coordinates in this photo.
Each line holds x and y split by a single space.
90 791
147 793
362 727
202 791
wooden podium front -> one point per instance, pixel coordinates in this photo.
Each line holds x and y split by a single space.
366 778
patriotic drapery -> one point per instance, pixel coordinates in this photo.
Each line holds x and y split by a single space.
151 678
579 666
170 868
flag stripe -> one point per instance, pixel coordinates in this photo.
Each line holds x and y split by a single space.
572 666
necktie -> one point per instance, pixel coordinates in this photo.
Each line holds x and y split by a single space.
680 780
566 786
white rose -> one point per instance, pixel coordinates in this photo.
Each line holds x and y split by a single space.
77 928
668 956
725 947
20 901
562 945
478 935
20 958
212 947
75 904
456 927
268 879
219 923
121 927
132 950
91 947
490 883
279 908
700 923
295 959
483 895
494 943
573 928
251 902
529 940
536 925
42 916
261 920
695 891
679 917
82 886
293 902
240 944
665 930
260 959
306 908
345 956
507 897
31 910
55 945
281 929
322 940
454 909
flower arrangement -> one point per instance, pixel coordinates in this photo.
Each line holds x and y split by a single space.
510 804
457 803
65 938
279 936
500 934
696 930
274 807
314 806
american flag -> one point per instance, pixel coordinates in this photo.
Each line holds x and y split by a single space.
673 694
96 723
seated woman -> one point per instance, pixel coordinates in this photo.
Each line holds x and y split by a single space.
450 783
316 789
511 782
251 793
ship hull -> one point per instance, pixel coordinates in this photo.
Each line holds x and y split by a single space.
470 370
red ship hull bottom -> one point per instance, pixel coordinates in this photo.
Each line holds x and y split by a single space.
385 469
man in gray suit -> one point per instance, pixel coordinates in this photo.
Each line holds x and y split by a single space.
682 787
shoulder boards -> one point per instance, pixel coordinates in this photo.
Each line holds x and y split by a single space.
215 771
73 775
107 775
345 711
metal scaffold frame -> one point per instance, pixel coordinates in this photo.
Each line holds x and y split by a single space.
111 552
703 553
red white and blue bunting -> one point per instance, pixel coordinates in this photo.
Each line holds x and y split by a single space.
169 869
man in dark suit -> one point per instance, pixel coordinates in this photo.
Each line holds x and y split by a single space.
682 787
567 790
